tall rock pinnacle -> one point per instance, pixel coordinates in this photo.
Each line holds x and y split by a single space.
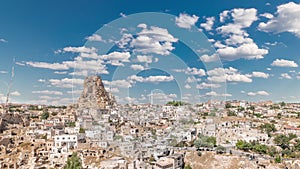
94 94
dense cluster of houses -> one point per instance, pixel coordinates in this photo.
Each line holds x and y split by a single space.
135 136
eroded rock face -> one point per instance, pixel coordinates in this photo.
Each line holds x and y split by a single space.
94 94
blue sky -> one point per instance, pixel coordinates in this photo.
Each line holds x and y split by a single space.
191 51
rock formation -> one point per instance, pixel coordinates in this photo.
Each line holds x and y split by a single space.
94 95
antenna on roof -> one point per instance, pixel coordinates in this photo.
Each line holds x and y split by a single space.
9 86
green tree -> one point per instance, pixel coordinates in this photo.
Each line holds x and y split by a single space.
187 167
205 141
292 136
260 148
45 115
81 130
268 128
282 104
73 162
228 105
220 149
231 113
282 141
278 159
243 145
272 151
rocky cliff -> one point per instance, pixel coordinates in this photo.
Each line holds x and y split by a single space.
94 94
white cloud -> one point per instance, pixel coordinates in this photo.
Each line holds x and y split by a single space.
192 79
243 18
95 37
137 67
286 20
187 86
60 72
230 74
238 39
117 57
186 21
118 83
209 58
124 41
224 15
260 75
195 71
209 23
153 40
192 71
52 66
48 92
162 97
285 76
152 79
213 93
144 58
246 51
267 15
122 15
66 82
284 63
3 40
130 99
81 49
42 80
204 85
260 93
238 43
15 93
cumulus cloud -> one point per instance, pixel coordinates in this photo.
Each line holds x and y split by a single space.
137 67
204 85
192 79
66 82
285 76
95 37
118 83
246 51
230 74
48 92
238 44
153 40
3 40
187 86
208 24
152 79
192 71
52 66
84 65
260 75
258 93
286 20
15 93
213 93
116 58
186 21
267 15
242 18
284 63
81 49
209 58
224 15
144 58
